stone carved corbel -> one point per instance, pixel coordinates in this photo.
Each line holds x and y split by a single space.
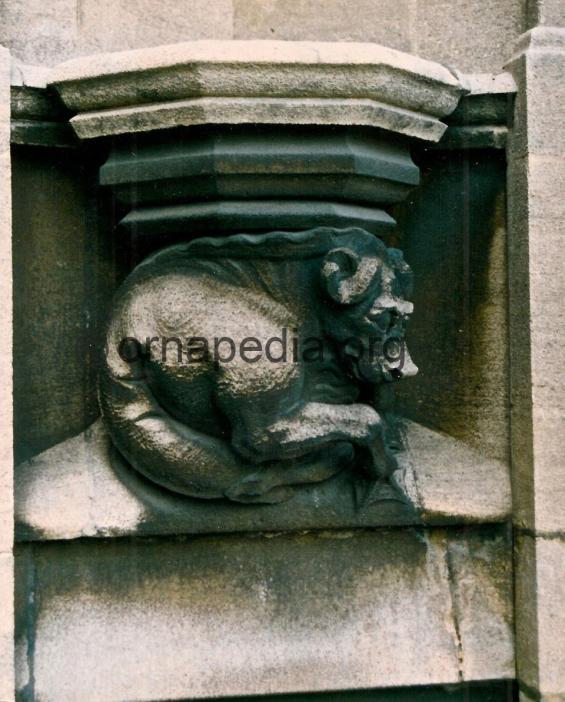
256 183
250 426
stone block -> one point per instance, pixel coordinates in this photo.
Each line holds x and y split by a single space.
481 576
75 489
472 36
63 277
537 66
456 335
387 22
48 33
6 627
116 25
6 448
214 616
263 82
40 32
269 163
540 623
537 316
233 216
547 12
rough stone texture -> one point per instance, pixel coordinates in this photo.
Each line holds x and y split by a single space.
469 34
233 216
115 25
37 116
545 12
250 81
47 33
247 68
6 627
474 36
72 490
540 594
456 334
480 119
299 163
536 190
63 277
387 22
225 616
285 111
537 314
6 412
6 485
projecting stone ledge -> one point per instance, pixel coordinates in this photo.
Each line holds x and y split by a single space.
82 488
257 82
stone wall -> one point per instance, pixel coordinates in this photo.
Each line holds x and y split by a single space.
63 277
471 35
162 611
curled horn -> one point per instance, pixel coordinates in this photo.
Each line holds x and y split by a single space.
347 276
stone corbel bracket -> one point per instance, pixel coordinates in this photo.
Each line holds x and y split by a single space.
257 82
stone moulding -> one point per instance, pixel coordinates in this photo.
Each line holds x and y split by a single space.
480 120
36 116
266 82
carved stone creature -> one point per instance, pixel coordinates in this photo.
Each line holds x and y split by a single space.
273 416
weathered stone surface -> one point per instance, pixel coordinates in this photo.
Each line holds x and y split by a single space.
536 190
37 116
545 12
299 163
6 627
6 457
235 82
540 594
387 22
536 195
47 34
474 137
63 277
227 616
480 119
481 577
39 32
255 215
6 405
107 25
66 28
72 490
286 111
471 36
537 66
456 337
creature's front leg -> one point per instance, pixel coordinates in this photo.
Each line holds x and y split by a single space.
310 428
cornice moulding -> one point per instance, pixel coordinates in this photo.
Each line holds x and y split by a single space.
266 82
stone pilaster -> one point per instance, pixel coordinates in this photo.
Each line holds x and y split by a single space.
6 460
536 192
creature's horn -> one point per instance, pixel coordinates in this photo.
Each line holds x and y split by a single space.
347 276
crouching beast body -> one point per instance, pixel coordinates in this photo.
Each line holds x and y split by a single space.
235 367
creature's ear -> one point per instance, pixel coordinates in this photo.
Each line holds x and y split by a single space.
346 276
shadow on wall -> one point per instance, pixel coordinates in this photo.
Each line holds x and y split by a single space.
454 238
63 280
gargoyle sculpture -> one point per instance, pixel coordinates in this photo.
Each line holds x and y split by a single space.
241 367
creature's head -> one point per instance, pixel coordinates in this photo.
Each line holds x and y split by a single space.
366 285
